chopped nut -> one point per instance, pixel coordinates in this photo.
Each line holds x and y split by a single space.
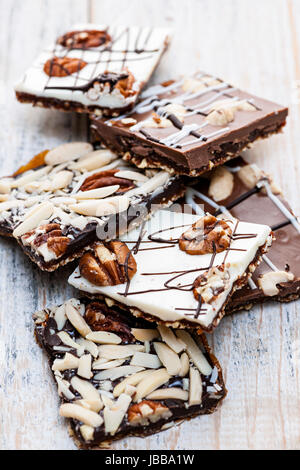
172 393
207 235
151 383
144 334
112 264
66 339
88 346
170 339
168 357
87 432
147 411
194 352
71 410
43 212
268 282
88 392
68 362
149 361
63 66
117 372
195 393
63 388
132 380
210 284
67 152
77 320
103 337
85 366
221 184
84 39
114 416
60 317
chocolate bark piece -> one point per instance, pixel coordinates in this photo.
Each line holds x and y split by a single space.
254 197
58 204
94 69
190 125
182 285
119 376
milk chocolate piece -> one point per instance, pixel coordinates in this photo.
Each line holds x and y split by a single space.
190 125
255 197
68 197
94 68
186 268
119 376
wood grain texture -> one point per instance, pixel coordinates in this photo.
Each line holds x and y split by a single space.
254 44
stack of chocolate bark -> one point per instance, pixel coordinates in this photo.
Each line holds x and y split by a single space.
129 355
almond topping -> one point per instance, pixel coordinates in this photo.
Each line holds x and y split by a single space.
149 361
103 337
194 352
88 392
185 364
87 432
151 383
118 352
117 372
131 175
85 366
43 212
70 410
68 362
132 380
114 416
221 184
67 152
77 320
102 364
170 339
98 193
94 160
66 339
168 358
172 393
144 334
102 207
195 393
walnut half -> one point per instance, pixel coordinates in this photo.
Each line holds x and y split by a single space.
207 235
109 264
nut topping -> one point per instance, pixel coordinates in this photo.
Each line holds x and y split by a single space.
221 184
151 383
147 411
168 358
268 282
63 66
107 178
195 393
172 393
71 410
210 284
43 212
110 264
67 152
194 352
207 235
84 39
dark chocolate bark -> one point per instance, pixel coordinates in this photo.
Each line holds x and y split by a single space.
208 120
196 388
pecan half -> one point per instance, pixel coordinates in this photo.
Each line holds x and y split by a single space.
147 411
52 234
98 316
84 39
63 66
207 235
110 264
210 284
125 85
107 178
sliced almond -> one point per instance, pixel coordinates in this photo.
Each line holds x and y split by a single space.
63 388
7 205
103 337
155 182
119 352
68 362
144 334
102 207
29 176
170 339
195 392
43 212
103 364
132 380
88 392
87 432
130 390
85 366
114 416
60 317
70 410
268 282
185 364
149 361
66 339
94 160
194 352
67 152
60 180
97 193
151 383
221 184
172 393
168 357
77 320
131 175
88 346
5 186
117 372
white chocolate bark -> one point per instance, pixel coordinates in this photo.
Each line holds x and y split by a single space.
135 49
165 260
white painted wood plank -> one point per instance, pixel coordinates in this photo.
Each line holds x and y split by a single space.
254 44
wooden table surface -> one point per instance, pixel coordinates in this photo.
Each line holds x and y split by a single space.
252 43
